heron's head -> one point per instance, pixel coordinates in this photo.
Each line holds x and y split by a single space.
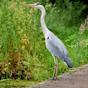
37 6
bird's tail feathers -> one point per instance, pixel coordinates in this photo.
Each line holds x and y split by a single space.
68 62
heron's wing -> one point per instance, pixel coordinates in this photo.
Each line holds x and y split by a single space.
57 43
57 48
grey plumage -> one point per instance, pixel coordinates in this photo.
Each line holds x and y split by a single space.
57 48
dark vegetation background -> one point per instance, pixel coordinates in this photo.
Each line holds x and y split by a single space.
22 50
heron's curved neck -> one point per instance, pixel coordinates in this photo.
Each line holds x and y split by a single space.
42 21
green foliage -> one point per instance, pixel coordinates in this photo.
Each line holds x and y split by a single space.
22 47
70 12
19 34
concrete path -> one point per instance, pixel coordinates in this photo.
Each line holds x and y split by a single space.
78 79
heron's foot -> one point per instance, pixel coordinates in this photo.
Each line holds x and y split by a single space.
55 78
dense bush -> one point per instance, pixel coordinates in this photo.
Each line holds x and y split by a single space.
22 50
18 34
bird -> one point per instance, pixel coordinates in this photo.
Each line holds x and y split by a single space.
54 45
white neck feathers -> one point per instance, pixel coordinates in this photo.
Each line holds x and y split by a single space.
42 21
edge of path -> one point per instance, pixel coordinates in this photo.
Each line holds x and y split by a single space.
70 71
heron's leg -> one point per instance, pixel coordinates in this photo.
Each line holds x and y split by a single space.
55 73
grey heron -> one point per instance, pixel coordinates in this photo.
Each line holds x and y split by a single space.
52 42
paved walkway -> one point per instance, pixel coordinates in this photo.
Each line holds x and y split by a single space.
78 79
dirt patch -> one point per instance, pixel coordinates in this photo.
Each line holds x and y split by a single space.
78 79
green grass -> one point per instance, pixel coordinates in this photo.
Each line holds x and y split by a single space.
16 83
20 32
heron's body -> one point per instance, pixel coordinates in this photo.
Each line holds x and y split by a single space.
56 47
53 43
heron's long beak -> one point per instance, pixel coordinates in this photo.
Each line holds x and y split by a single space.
30 5
33 5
